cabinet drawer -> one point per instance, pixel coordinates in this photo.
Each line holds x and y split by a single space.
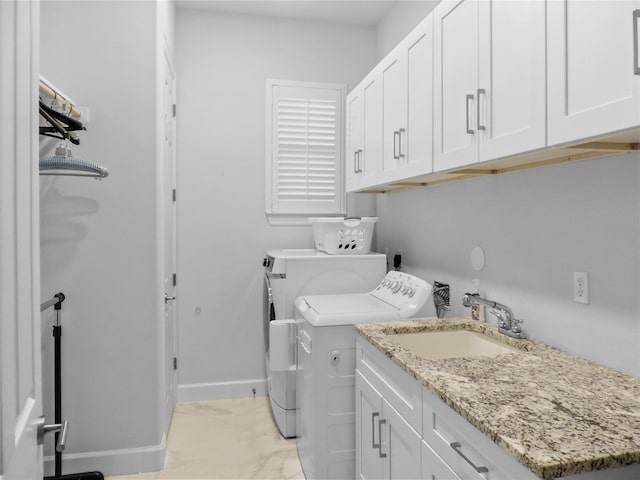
400 389
464 448
433 467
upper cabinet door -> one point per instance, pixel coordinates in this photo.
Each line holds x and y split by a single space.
419 137
593 71
455 83
511 94
407 77
354 138
372 130
394 95
364 133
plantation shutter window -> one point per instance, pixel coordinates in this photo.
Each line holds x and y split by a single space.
304 151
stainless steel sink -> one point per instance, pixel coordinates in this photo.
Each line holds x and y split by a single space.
451 344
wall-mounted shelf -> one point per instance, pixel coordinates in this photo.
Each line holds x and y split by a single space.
61 118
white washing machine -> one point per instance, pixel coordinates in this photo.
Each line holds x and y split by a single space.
289 274
325 379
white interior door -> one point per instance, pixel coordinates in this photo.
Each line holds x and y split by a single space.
168 156
20 367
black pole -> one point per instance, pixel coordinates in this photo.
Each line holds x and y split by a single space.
57 381
57 333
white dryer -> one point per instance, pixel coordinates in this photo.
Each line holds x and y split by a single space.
289 274
325 379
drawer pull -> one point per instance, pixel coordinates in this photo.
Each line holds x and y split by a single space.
457 446
373 430
636 61
396 135
380 423
469 129
481 91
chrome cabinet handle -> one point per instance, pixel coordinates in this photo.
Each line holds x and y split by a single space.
373 430
359 164
469 130
636 62
396 134
457 446
355 161
167 298
400 132
481 91
43 429
380 423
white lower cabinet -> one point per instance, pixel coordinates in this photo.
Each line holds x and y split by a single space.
467 452
400 446
433 467
386 445
404 431
368 407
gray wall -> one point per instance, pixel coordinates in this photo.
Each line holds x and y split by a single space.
536 227
99 238
403 17
223 61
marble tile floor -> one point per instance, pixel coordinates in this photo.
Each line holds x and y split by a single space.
226 439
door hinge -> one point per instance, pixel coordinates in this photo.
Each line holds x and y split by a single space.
175 279
174 195
175 363
174 110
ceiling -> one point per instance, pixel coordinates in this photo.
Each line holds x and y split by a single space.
354 12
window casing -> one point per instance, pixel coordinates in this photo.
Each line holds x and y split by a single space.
304 151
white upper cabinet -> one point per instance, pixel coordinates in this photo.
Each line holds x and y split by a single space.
394 88
512 75
407 79
364 133
354 136
594 69
455 83
489 80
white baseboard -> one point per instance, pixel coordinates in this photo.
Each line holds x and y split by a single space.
112 462
193 392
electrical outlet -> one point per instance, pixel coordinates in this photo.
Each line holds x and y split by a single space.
581 287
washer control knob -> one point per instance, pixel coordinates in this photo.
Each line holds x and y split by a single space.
396 287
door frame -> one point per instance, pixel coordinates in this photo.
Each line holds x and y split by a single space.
20 329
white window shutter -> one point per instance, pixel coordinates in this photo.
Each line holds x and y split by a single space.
305 164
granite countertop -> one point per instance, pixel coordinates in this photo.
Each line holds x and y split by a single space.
557 413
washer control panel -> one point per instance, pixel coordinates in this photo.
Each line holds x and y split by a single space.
405 292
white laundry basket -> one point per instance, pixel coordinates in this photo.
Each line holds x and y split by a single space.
343 236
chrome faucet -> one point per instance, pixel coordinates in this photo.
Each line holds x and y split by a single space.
507 323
